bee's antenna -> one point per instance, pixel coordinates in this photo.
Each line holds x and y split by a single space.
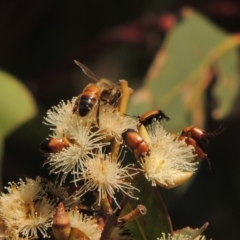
87 71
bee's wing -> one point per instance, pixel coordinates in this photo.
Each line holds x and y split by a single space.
87 71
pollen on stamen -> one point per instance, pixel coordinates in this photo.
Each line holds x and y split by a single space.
115 123
168 163
32 210
60 115
85 223
84 140
105 175
179 237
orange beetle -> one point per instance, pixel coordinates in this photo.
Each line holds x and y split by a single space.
147 118
54 145
199 139
135 142
199 135
197 149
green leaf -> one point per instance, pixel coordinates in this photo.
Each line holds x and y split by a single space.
156 221
17 105
191 55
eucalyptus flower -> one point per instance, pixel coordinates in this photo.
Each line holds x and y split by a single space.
106 175
59 117
86 224
114 123
169 162
180 237
32 209
84 139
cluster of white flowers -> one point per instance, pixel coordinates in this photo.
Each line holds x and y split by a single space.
168 164
85 157
90 151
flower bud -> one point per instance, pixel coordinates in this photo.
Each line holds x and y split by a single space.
61 224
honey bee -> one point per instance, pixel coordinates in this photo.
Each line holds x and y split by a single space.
93 94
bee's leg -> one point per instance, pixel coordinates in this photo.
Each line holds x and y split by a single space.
98 113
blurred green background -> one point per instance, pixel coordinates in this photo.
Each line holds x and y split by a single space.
119 39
